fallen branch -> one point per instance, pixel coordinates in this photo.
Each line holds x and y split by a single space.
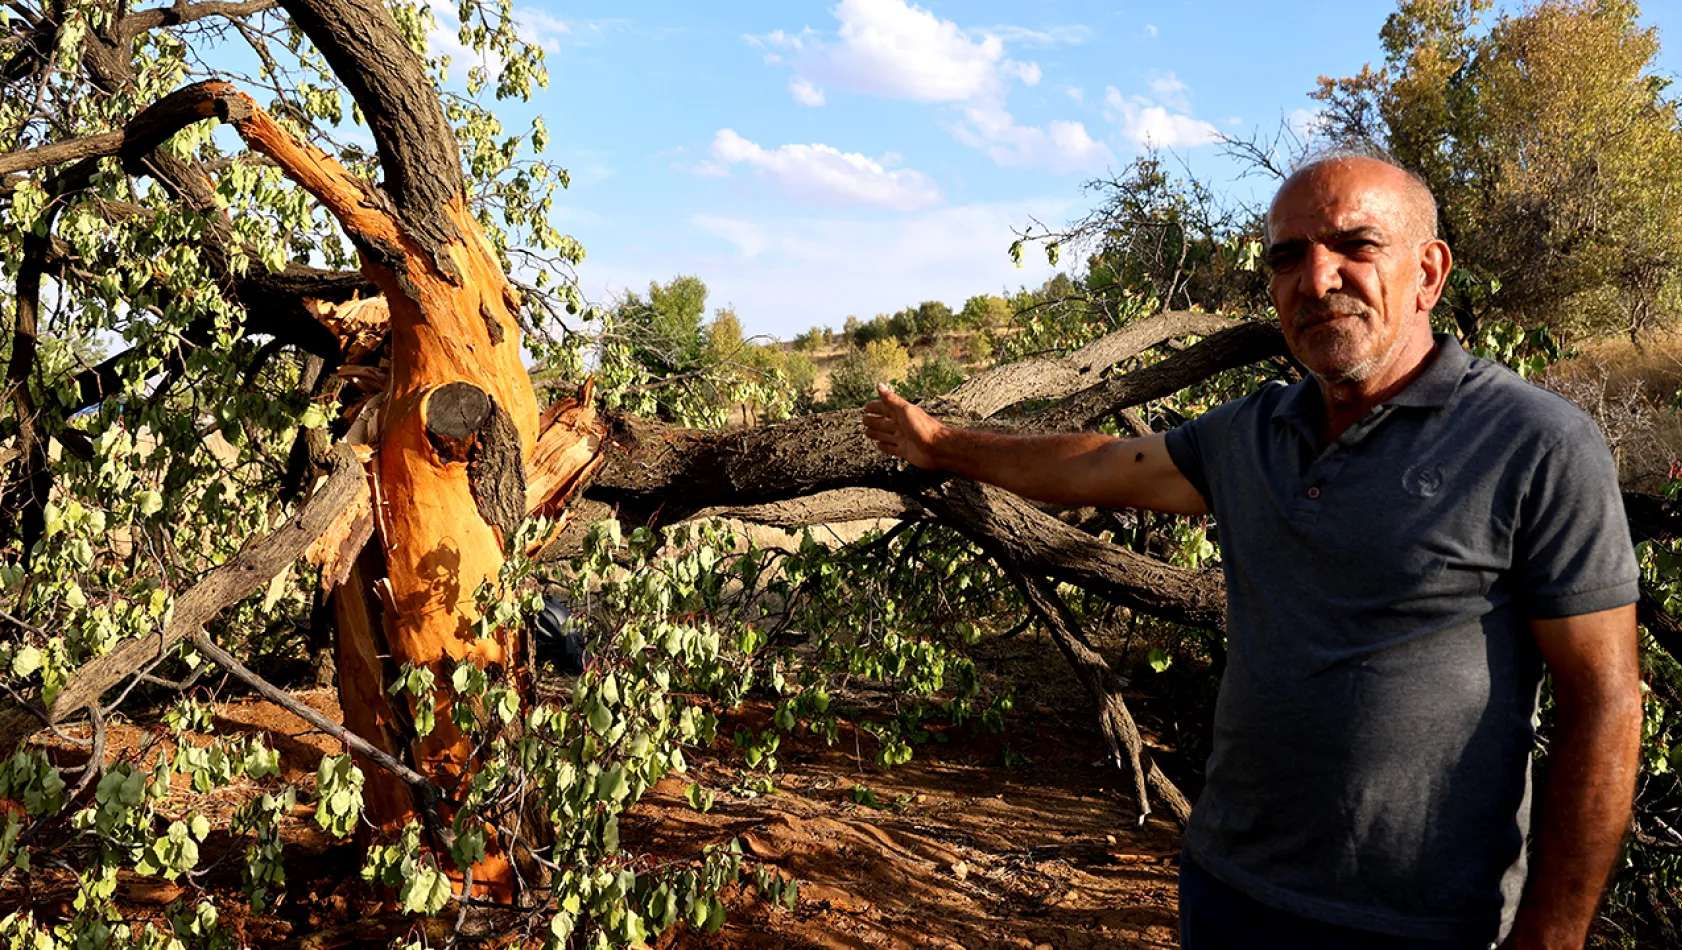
1115 721
429 793
999 388
1237 346
1029 541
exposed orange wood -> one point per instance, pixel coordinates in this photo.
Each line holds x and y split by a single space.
359 324
567 450
352 200
388 802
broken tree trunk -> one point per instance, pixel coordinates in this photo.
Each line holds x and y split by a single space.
457 424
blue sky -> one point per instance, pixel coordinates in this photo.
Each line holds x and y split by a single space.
815 160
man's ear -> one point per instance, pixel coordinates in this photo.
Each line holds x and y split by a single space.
1435 261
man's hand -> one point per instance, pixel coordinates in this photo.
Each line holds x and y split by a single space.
900 429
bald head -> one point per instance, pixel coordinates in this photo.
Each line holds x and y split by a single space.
1411 197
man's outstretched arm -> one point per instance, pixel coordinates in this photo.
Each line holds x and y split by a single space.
1592 760
1077 469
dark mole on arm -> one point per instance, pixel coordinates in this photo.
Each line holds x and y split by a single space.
1139 458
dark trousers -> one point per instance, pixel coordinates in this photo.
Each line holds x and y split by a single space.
1215 916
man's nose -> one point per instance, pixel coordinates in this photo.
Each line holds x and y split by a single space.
1322 271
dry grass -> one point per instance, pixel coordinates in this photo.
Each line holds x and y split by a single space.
1631 391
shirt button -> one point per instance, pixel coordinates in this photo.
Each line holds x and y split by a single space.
1314 492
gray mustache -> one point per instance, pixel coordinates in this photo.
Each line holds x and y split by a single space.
1333 306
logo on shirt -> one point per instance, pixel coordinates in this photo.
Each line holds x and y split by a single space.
1422 480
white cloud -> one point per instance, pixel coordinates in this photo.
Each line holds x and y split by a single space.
1150 30
891 49
540 28
1076 93
1054 36
1306 123
779 39
1167 89
827 174
897 50
804 92
706 168
1061 146
1154 126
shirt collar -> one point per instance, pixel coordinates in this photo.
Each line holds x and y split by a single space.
1300 405
1439 381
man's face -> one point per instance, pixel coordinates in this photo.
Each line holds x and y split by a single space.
1344 250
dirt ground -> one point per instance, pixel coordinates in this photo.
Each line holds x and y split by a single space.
958 851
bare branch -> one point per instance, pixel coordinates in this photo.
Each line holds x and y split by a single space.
182 12
92 146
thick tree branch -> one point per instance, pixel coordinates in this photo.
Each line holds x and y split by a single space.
1115 721
92 146
1032 542
35 476
417 148
277 304
1004 386
1237 346
828 507
182 12
651 464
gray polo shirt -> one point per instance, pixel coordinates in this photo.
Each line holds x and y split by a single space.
1371 763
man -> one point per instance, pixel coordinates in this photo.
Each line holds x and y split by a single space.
1408 534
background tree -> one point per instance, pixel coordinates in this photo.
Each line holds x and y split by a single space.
985 312
1553 149
1157 235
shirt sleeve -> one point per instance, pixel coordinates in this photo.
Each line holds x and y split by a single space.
1573 552
1195 445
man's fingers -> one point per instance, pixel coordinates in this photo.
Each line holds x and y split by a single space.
875 424
888 447
890 397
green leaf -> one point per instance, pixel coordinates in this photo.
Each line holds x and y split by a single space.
611 785
25 662
600 717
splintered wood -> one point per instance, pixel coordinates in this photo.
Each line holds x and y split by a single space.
567 452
